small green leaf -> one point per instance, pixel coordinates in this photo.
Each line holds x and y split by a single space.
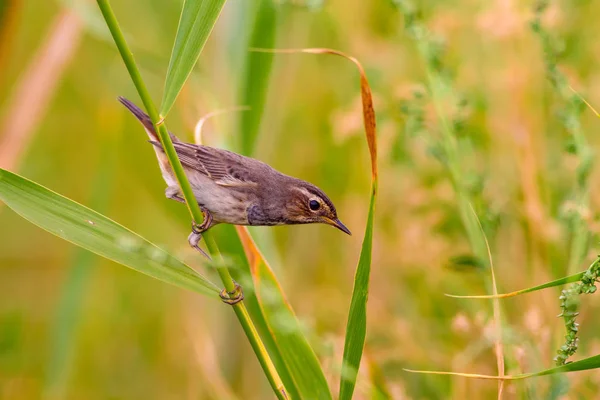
197 20
94 232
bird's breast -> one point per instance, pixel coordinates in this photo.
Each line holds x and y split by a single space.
226 204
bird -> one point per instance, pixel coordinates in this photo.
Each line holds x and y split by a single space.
234 189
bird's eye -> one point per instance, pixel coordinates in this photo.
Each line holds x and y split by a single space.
314 205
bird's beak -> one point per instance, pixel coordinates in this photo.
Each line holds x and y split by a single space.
338 224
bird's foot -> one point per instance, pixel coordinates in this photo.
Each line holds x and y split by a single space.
172 193
233 297
193 239
197 230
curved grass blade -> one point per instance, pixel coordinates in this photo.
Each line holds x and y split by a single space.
581 365
283 325
356 328
558 282
197 20
357 318
86 228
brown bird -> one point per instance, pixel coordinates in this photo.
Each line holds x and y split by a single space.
238 190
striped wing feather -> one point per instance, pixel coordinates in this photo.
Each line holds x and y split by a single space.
223 167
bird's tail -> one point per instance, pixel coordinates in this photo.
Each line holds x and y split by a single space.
141 116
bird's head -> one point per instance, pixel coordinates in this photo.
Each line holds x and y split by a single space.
308 204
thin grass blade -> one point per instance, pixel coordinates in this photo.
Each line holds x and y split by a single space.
357 318
284 327
581 365
356 328
585 102
197 20
558 282
86 228
498 345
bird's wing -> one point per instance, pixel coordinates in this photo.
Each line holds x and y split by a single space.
223 167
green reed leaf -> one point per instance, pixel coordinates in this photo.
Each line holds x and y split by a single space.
285 329
356 328
197 20
86 228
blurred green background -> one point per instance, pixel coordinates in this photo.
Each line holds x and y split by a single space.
76 326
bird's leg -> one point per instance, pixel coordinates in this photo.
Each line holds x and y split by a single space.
172 193
233 297
197 230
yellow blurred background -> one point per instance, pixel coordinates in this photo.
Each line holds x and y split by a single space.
75 326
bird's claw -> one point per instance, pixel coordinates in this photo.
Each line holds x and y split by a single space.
233 297
193 239
208 220
197 230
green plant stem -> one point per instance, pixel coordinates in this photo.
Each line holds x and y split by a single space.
190 200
